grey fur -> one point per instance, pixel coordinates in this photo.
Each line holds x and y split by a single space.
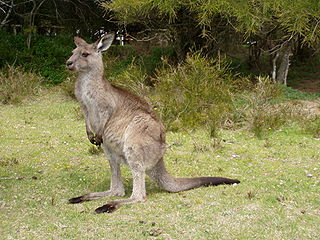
127 127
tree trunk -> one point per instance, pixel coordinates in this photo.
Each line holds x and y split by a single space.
32 16
282 72
274 66
281 62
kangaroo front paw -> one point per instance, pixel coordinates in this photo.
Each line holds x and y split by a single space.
97 140
91 137
107 208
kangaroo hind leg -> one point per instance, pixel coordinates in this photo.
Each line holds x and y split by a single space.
135 159
116 185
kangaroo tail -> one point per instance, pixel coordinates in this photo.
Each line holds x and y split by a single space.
160 175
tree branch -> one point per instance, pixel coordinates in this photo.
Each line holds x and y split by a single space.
4 21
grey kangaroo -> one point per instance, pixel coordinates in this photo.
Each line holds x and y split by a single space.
127 128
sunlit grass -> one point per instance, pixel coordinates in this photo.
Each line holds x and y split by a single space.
45 159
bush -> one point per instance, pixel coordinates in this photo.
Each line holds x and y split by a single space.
261 107
47 55
133 80
16 85
312 126
119 58
266 118
197 92
153 61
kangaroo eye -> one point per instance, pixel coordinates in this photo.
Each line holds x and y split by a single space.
85 54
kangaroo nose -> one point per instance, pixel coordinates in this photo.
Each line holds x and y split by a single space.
69 63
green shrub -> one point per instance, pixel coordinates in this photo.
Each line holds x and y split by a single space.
266 118
291 93
47 55
119 58
312 126
154 61
261 108
16 85
134 80
197 92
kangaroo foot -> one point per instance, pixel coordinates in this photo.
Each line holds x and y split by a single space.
76 200
107 208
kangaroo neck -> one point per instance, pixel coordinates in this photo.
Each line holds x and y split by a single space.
94 76
91 83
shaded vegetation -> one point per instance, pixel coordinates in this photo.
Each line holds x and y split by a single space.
202 92
17 84
46 56
197 92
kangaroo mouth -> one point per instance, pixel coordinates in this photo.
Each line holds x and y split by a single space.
70 65
71 68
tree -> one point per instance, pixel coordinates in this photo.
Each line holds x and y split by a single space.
5 11
275 26
70 15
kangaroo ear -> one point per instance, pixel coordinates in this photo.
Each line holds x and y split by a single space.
105 42
79 41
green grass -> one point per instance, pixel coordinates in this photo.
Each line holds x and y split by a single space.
291 93
43 144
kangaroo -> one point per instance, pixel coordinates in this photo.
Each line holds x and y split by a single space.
127 128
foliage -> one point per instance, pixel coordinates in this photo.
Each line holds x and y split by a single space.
278 29
249 17
133 79
198 91
52 17
151 62
312 125
291 93
261 108
46 56
120 58
16 85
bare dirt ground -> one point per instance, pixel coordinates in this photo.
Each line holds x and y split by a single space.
309 86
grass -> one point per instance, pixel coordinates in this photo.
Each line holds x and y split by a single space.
45 159
17 85
295 94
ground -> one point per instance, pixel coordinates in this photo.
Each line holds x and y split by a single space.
309 85
45 159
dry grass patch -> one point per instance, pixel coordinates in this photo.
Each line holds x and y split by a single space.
16 85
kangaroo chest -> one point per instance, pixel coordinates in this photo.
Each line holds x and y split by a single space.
92 104
94 114
98 114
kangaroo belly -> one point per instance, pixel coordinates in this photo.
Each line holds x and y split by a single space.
94 121
114 144
94 113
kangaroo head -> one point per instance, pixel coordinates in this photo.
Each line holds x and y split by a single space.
86 57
